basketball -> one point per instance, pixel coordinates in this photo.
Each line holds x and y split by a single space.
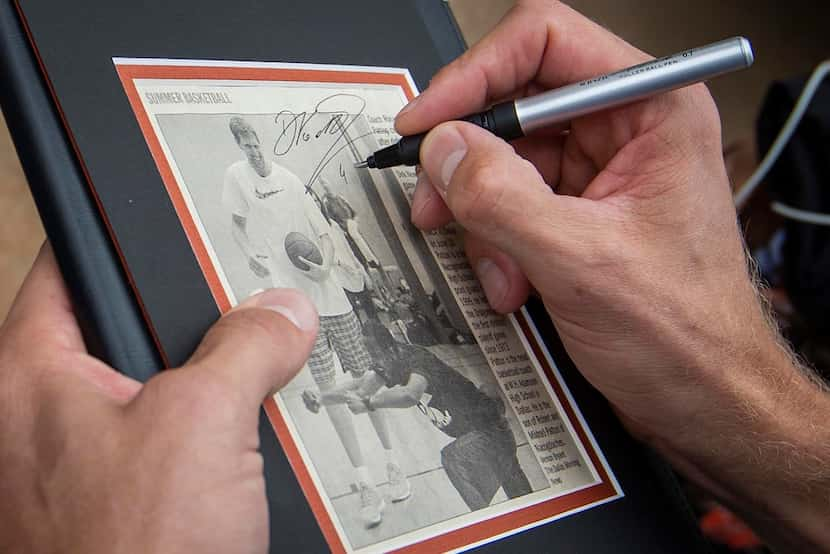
297 246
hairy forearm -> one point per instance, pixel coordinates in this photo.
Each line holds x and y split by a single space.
760 440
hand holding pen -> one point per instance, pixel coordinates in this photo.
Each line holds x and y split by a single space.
517 118
626 228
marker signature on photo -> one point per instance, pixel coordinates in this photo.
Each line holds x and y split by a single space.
333 116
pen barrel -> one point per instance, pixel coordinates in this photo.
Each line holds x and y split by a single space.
500 120
634 83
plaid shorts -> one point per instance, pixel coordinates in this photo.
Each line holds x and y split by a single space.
342 333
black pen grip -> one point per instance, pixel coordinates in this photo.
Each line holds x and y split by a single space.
501 120
403 152
409 149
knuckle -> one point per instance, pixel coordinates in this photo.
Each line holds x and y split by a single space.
184 399
480 196
260 334
216 396
701 118
258 326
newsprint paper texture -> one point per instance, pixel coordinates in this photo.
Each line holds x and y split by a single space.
423 420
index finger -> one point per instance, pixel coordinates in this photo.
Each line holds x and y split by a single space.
539 44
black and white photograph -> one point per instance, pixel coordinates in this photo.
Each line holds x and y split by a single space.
398 414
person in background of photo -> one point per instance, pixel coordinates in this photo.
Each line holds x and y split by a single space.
352 263
267 202
338 210
482 458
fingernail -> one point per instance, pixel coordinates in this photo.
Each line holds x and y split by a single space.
450 165
493 281
443 151
290 303
408 107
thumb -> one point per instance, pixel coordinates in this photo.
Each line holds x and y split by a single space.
261 344
501 197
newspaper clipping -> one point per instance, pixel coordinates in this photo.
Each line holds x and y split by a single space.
420 412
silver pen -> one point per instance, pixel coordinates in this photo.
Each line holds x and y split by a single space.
517 118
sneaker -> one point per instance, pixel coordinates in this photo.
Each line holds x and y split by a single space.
399 488
371 505
311 401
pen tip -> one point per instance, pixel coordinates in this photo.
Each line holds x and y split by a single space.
361 165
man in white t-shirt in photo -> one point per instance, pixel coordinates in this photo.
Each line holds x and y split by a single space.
267 202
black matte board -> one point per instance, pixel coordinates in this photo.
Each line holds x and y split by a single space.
76 43
113 326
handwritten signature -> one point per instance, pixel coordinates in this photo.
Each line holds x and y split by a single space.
333 116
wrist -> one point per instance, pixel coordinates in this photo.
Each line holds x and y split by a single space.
756 438
733 363
367 401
